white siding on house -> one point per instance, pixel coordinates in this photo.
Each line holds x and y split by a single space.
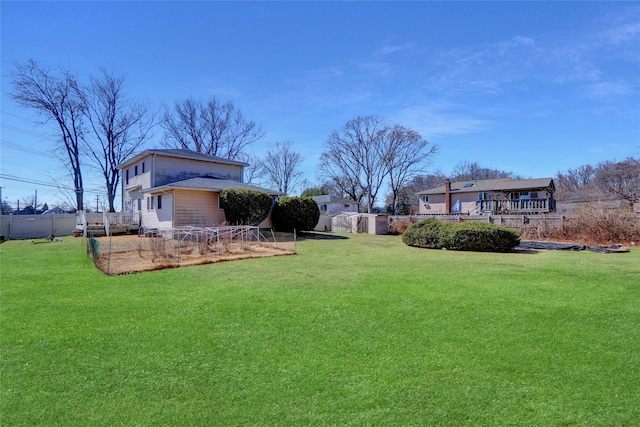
135 182
154 217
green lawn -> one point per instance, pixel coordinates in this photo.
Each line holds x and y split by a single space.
363 331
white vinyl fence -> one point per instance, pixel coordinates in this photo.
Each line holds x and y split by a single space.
36 226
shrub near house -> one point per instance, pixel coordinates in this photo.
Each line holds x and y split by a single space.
299 213
466 236
245 207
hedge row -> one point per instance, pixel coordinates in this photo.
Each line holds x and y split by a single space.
464 236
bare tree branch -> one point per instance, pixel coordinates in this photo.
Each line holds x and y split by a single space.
120 127
282 165
53 96
212 128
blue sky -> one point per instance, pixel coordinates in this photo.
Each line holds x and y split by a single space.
529 87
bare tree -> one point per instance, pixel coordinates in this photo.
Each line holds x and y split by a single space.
353 161
621 178
213 128
52 94
120 127
253 171
282 166
577 183
405 154
466 171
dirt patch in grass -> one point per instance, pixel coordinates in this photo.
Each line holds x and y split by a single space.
133 254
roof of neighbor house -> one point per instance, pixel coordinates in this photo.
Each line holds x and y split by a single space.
207 183
182 154
499 184
328 198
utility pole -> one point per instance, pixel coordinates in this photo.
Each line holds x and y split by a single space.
97 207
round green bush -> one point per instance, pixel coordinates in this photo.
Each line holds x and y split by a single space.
299 213
465 236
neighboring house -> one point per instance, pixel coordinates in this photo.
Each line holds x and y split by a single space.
172 188
490 196
330 205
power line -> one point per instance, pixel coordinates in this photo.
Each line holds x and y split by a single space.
11 145
46 184
27 132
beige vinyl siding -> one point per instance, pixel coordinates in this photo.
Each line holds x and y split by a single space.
197 208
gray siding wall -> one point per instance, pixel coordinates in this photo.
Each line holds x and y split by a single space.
168 169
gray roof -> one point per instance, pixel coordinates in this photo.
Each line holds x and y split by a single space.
327 198
180 153
499 184
208 184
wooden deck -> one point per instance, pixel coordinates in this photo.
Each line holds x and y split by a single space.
106 223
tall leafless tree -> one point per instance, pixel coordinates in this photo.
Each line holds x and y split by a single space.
120 126
621 178
214 128
405 154
577 183
469 171
353 161
52 94
282 166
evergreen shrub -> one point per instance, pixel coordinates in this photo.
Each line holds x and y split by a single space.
465 236
299 213
245 207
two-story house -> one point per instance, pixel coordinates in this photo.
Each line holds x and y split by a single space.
172 187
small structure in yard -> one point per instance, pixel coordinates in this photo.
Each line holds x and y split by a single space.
490 197
346 222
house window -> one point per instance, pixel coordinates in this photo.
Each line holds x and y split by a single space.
148 203
152 204
160 202
346 206
142 167
485 196
126 179
139 204
425 199
136 171
522 195
323 207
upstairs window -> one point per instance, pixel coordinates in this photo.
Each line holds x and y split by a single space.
126 179
142 167
160 202
136 171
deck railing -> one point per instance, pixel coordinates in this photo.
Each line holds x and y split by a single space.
515 205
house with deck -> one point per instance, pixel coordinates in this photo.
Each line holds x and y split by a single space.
502 196
166 188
